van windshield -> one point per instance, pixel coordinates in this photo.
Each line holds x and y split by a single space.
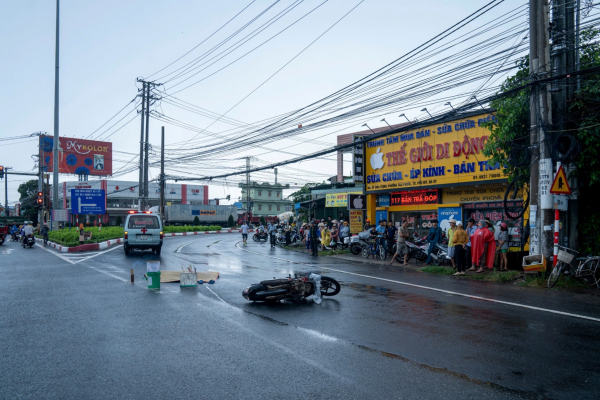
143 221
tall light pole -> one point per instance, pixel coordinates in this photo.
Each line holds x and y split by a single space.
383 120
449 104
404 115
427 111
56 144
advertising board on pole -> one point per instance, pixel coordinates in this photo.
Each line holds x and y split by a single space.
88 201
356 221
358 171
78 156
60 215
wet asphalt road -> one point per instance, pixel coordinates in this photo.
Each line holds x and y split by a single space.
72 326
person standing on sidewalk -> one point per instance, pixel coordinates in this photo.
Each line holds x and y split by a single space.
245 233
401 247
314 237
503 245
451 242
390 232
471 228
460 240
434 237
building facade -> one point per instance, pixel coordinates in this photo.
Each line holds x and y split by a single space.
438 172
265 199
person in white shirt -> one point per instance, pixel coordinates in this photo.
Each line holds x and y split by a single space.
27 230
245 233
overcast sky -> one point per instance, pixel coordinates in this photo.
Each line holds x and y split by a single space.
106 44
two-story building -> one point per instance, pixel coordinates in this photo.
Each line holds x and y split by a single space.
265 198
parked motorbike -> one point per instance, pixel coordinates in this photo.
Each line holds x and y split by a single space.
15 237
439 255
414 251
295 288
359 241
260 237
29 241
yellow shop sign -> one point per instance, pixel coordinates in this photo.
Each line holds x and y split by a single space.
442 154
337 199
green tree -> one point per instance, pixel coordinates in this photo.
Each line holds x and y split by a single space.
291 219
196 221
28 198
230 221
262 220
119 221
509 135
303 195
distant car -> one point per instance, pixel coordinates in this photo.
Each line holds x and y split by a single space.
143 231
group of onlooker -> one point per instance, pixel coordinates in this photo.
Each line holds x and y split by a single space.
328 233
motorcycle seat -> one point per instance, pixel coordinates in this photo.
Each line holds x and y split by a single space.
275 282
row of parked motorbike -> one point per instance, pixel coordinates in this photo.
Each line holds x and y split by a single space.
417 248
361 244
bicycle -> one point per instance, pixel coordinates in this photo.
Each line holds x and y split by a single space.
588 269
374 249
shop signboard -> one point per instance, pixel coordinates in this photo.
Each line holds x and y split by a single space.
337 199
356 221
78 156
383 200
443 154
358 161
445 214
380 215
357 202
415 197
494 212
473 194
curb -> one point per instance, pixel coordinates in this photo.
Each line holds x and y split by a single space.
111 242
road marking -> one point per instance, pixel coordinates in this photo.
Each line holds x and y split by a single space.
182 246
509 303
75 259
56 254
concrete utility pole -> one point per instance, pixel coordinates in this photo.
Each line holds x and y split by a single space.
141 181
541 204
41 178
55 203
162 174
146 147
247 190
6 196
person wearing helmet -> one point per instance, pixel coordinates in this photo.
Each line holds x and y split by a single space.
367 224
503 245
27 230
44 233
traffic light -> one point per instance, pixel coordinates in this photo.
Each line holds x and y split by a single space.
1 172
40 199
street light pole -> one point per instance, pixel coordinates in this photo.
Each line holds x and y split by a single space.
56 144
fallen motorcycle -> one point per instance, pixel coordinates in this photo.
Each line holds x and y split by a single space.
295 288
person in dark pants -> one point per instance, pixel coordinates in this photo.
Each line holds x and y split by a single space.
434 237
460 239
272 234
288 234
471 228
314 237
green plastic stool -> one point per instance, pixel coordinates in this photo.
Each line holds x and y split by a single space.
153 280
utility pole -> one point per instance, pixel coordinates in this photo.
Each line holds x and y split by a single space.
162 174
141 181
247 190
146 147
55 203
541 204
41 177
6 196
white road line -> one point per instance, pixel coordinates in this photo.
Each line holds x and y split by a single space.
59 255
182 246
102 252
108 273
433 289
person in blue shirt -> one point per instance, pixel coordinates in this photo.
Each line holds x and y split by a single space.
14 229
381 230
272 233
434 237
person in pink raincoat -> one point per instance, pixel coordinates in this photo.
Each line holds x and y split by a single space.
483 247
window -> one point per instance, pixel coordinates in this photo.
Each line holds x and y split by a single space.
278 208
278 194
269 208
270 193
143 221
260 207
288 208
260 192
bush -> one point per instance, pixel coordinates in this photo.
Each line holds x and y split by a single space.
70 237
119 221
230 221
262 221
196 221
177 229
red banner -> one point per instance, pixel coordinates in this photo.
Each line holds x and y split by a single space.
78 156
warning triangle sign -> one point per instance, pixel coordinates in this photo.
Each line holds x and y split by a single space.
560 184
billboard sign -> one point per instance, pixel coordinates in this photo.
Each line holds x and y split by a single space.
78 156
358 161
449 153
88 201
357 202
60 215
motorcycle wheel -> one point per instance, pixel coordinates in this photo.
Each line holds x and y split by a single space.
260 293
355 248
366 252
255 238
329 286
